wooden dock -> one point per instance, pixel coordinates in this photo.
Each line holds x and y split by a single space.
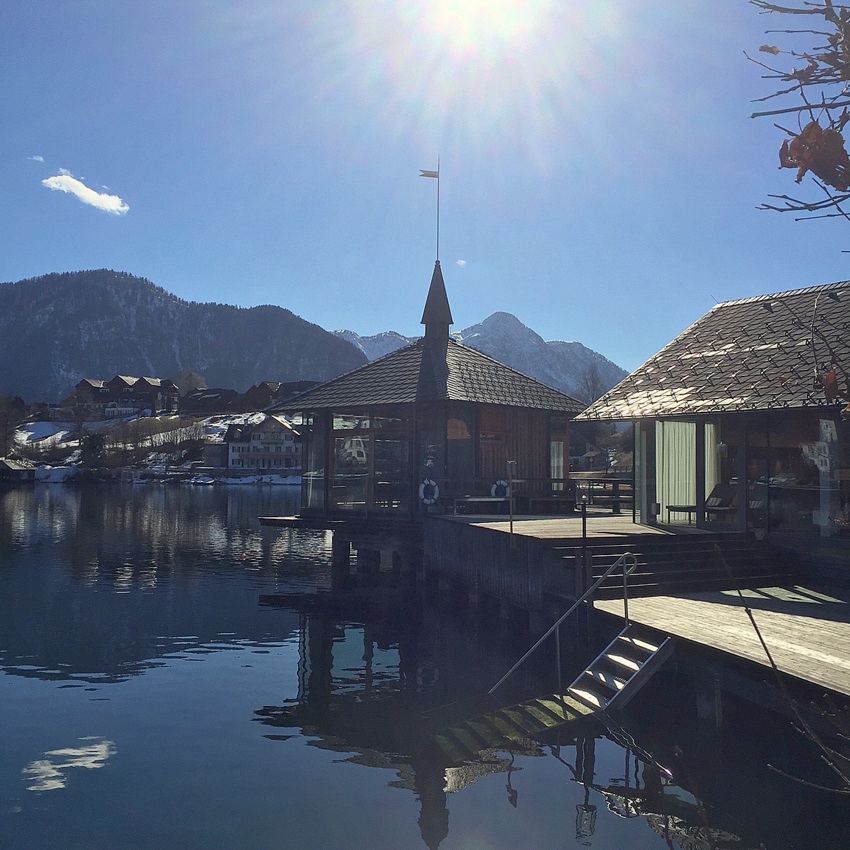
568 527
807 632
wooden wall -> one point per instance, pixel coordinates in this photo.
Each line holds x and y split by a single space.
512 433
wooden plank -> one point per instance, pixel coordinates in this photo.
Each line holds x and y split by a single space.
807 633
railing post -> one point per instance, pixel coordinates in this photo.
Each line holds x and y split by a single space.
556 626
558 658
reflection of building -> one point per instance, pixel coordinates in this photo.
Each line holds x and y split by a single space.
741 422
357 694
432 420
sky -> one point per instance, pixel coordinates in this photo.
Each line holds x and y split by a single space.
599 171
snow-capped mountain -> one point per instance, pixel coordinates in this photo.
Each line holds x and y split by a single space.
377 345
567 366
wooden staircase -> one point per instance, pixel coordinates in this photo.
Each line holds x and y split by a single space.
616 674
669 564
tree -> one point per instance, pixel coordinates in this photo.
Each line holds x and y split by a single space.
188 381
91 448
815 75
590 386
12 412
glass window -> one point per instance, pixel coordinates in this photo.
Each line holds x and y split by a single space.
347 423
675 458
807 485
391 473
313 481
349 488
460 449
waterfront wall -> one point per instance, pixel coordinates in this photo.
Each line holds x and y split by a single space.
524 572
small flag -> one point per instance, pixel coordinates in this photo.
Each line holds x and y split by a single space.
429 173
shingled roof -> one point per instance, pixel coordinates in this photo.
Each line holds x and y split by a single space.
760 353
423 372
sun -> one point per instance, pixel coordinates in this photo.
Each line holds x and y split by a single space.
470 28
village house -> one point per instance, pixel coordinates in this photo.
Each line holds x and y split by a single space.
431 426
121 396
209 401
742 423
271 444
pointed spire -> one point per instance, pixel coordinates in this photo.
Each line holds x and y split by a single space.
437 315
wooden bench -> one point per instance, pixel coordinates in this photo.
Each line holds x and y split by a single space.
469 501
552 503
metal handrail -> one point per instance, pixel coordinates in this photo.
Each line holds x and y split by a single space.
621 561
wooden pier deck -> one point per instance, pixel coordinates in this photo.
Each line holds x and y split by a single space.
568 527
807 632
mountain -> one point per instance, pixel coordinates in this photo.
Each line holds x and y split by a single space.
567 366
59 328
558 364
377 345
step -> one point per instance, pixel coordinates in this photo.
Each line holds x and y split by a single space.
622 668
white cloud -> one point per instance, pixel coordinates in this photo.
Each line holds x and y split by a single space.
48 774
461 262
64 182
36 158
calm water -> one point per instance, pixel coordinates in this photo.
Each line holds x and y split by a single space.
151 697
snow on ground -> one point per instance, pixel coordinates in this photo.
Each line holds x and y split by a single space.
216 426
54 432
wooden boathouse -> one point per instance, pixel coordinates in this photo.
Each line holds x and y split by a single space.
741 471
429 426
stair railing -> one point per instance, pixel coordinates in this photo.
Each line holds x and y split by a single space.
628 562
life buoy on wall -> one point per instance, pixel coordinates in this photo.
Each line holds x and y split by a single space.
501 489
429 492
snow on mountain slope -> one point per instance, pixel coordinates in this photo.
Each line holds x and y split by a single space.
505 338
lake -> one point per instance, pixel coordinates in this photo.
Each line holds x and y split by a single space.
175 676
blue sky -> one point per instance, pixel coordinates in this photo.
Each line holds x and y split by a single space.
599 170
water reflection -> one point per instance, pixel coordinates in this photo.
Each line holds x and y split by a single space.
101 583
49 773
299 695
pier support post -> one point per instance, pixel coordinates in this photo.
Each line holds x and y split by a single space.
368 563
709 694
340 562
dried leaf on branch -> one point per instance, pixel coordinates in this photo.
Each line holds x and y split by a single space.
823 67
820 151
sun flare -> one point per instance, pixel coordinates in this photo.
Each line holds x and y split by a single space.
474 27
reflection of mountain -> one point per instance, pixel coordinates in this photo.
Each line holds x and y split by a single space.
91 584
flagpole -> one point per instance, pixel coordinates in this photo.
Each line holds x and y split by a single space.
438 208
435 174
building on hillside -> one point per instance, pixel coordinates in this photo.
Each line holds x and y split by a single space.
122 396
206 402
271 444
742 423
262 396
429 423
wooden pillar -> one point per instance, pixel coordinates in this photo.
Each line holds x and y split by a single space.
340 562
709 694
701 518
